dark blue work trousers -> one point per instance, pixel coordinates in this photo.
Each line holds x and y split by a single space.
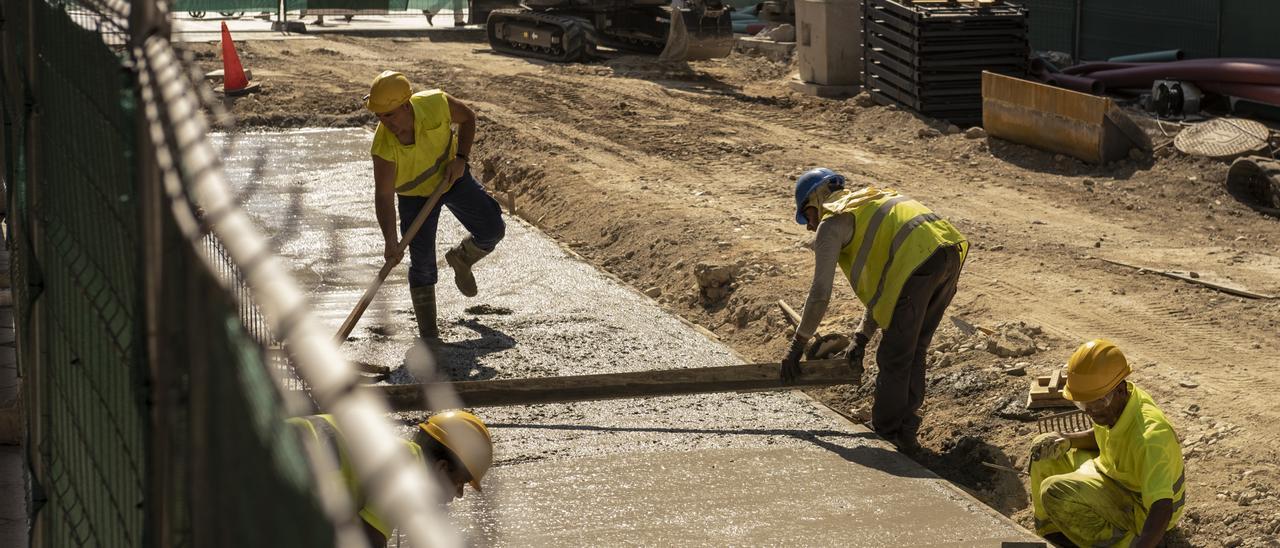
478 212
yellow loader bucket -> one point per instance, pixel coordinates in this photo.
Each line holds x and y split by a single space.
1085 126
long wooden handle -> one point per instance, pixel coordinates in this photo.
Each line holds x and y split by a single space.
755 377
354 317
793 317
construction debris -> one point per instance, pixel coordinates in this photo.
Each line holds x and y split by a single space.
715 282
1195 278
1013 339
1255 181
1046 391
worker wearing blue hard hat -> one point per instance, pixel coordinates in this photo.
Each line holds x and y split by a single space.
903 262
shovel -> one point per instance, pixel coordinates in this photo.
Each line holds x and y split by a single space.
354 317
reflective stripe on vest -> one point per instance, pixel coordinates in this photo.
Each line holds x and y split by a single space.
893 236
878 217
445 156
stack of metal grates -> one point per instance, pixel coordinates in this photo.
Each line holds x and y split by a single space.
929 57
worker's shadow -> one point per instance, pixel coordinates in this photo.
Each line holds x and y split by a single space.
460 361
960 462
850 446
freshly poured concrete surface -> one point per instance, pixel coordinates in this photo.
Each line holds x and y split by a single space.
715 469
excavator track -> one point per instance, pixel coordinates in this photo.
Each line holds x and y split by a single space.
539 35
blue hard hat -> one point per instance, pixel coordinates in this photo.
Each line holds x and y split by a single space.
811 181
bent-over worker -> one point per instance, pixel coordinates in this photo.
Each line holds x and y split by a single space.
415 150
1119 483
903 262
454 446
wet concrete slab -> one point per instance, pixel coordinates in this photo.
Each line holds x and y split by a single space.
720 469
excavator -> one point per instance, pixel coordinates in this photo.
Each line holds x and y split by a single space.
570 31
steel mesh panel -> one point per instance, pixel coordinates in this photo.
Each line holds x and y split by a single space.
1110 29
1249 28
79 257
1052 24
88 224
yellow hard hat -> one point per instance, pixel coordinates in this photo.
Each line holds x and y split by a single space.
1095 369
466 436
388 91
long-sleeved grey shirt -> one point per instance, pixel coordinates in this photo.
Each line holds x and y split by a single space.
833 235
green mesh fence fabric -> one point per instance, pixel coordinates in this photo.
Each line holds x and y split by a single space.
253 480
86 212
218 467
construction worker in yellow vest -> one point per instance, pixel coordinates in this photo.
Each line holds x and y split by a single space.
903 262
415 150
1120 483
455 446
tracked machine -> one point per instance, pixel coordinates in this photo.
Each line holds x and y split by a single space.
567 31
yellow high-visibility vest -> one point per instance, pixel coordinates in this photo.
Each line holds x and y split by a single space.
325 432
420 166
1141 452
893 235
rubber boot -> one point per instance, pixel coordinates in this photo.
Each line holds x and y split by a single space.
424 310
461 258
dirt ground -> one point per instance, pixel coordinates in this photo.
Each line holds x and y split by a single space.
655 172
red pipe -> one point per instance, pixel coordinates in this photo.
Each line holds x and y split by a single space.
1262 94
1244 73
1081 84
1094 67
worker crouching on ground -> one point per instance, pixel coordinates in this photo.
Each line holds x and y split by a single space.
415 149
454 446
903 262
1120 483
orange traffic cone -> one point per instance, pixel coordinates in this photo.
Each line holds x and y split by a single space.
234 81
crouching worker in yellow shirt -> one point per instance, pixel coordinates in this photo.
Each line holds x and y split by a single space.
454 446
1120 483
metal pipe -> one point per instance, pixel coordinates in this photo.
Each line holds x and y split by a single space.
1076 30
1150 57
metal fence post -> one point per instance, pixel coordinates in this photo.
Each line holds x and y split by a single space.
37 380
1077 30
158 529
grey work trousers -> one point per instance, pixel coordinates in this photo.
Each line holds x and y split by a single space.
905 344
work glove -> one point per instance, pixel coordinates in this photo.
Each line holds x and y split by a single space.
1048 446
857 352
791 363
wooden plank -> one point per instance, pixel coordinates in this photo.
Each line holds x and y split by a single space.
1186 277
757 377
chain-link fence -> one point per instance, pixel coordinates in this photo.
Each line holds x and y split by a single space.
152 320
